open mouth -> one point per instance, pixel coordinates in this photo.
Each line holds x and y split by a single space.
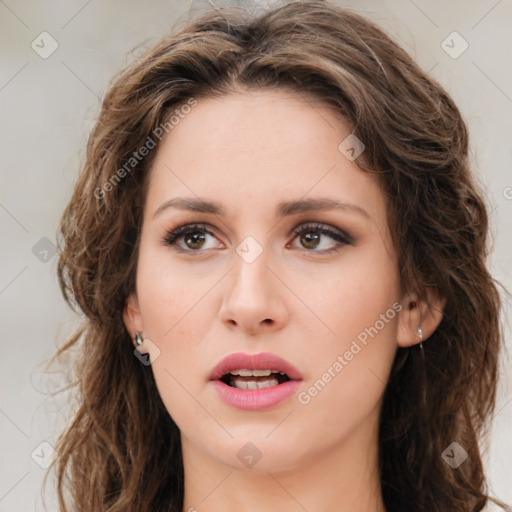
255 382
254 379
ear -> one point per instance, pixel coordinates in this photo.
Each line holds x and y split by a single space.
417 312
132 317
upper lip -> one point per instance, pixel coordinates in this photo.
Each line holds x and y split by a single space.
261 361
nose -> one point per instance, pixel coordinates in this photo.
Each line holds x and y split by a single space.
254 298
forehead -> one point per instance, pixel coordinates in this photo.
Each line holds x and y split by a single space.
250 149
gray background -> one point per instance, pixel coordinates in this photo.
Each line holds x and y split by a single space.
48 105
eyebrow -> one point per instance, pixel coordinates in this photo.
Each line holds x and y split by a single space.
283 209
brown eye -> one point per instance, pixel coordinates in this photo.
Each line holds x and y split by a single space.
193 237
312 236
310 240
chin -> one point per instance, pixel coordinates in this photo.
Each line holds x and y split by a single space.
258 454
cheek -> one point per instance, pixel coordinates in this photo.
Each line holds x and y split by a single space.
174 305
349 363
175 321
168 295
351 296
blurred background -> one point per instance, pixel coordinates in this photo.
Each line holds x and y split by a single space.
57 59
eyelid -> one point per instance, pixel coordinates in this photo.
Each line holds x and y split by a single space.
341 237
325 229
174 234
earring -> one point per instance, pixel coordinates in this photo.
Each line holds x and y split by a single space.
420 336
138 338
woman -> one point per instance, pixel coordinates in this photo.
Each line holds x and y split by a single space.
280 252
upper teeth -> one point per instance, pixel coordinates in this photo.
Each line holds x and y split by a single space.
253 373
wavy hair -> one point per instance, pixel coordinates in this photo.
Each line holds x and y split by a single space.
121 451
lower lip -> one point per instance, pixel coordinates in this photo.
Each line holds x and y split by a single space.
256 399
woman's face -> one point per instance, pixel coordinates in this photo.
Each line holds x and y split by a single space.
248 169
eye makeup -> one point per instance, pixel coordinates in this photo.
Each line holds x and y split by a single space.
341 238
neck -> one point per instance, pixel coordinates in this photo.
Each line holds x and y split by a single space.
343 479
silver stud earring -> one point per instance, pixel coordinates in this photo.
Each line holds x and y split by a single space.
138 338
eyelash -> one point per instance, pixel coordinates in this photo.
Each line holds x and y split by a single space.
171 238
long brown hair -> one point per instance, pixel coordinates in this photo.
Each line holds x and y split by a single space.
122 450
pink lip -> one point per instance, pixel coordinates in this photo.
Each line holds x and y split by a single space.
261 361
255 399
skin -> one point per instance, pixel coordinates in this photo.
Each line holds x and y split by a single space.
250 151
